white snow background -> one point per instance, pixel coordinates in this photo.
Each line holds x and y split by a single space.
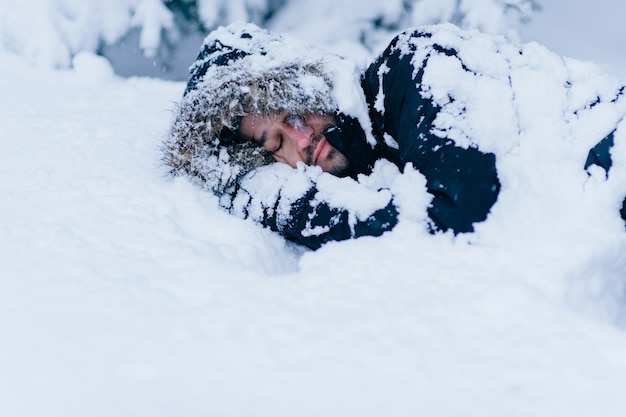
125 293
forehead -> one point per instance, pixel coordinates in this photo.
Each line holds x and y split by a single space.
254 126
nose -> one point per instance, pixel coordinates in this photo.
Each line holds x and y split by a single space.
300 136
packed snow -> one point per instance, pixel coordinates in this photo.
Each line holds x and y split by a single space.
125 292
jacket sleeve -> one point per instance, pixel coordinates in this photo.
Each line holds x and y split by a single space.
463 181
311 210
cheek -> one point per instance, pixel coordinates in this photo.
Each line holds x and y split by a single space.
285 159
296 150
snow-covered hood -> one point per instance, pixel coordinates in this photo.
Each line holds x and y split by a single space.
242 68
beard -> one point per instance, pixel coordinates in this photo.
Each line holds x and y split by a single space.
334 163
340 166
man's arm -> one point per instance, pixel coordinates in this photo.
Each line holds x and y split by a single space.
463 181
312 209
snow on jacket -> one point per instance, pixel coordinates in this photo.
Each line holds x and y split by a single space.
424 130
461 178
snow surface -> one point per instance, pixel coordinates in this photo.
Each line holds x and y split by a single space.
124 293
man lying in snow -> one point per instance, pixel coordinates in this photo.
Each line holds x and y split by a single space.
434 110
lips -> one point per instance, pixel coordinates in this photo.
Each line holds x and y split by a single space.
320 150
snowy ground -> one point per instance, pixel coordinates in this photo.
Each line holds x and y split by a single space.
124 293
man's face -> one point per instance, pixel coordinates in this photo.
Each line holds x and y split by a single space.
292 140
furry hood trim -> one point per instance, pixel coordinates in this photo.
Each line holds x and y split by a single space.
242 69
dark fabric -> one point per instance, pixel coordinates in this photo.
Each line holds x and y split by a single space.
600 155
308 213
348 137
463 182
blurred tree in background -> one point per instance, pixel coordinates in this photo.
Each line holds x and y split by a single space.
161 37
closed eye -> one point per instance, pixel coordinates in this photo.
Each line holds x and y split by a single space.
279 144
271 145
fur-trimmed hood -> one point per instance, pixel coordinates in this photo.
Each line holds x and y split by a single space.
242 69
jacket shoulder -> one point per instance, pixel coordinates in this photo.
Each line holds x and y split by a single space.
425 38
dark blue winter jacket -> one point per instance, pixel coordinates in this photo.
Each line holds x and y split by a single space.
463 181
